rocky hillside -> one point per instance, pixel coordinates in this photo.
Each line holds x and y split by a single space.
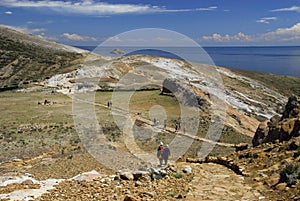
248 101
273 164
25 58
280 128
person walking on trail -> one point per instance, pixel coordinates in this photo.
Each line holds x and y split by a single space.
166 154
165 124
109 104
154 122
160 153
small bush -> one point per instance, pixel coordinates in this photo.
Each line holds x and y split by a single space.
290 174
178 175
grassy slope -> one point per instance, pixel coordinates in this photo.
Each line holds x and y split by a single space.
285 85
28 129
21 62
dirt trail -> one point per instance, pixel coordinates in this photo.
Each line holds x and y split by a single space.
216 182
168 130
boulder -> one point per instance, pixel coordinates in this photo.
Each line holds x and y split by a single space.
261 133
126 176
153 171
241 147
130 198
87 176
141 176
280 129
292 108
163 173
187 169
184 93
281 186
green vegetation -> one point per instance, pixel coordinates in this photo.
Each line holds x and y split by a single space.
229 135
290 174
178 175
29 127
285 85
22 63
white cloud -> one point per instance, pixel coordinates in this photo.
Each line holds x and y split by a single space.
293 8
46 37
227 38
8 12
288 34
40 22
33 31
283 34
266 20
124 40
90 7
211 8
76 37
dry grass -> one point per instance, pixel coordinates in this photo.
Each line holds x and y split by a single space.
29 129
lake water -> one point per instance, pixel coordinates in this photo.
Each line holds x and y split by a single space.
281 60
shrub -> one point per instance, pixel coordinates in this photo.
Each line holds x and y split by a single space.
290 174
178 175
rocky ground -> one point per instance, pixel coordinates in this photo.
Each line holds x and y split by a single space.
251 174
271 169
272 166
183 181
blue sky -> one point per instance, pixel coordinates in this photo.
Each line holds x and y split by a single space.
209 22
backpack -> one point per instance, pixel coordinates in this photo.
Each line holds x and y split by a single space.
161 149
160 152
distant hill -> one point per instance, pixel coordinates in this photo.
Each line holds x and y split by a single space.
26 58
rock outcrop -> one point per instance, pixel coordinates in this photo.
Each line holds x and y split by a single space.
184 92
117 51
281 129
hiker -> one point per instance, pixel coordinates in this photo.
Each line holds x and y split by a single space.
46 102
160 152
166 154
165 124
183 126
109 104
179 124
154 122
